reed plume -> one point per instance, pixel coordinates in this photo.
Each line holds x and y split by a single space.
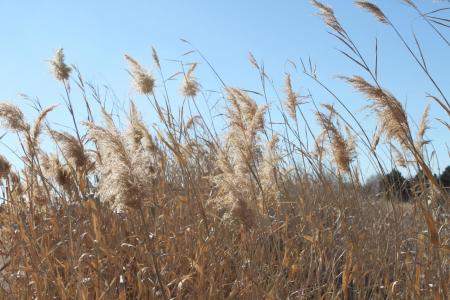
139 134
343 149
36 130
5 167
60 69
376 139
238 160
156 58
53 168
328 16
423 127
399 157
126 173
190 86
270 172
410 3
71 148
392 118
374 10
12 118
292 98
143 80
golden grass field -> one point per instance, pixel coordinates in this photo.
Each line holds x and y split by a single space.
180 211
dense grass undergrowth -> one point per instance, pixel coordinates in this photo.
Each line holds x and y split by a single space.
259 211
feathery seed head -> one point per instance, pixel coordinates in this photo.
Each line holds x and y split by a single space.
252 60
190 85
399 157
53 168
144 81
328 16
63 177
319 150
12 118
330 108
390 113
126 171
60 69
136 124
343 149
37 128
423 127
376 140
291 98
374 10
191 122
155 57
410 3
5 167
72 150
243 107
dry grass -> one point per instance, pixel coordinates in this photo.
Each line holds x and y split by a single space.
178 211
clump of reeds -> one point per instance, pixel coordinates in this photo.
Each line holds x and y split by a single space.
238 180
125 165
179 211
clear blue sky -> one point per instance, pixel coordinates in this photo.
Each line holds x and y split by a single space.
96 34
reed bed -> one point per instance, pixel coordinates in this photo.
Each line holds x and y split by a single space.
181 210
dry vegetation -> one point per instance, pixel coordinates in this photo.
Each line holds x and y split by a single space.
179 211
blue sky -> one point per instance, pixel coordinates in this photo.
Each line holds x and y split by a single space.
96 34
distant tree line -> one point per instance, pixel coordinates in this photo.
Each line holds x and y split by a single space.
396 185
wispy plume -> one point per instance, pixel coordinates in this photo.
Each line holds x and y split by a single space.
71 148
144 81
60 69
423 127
410 3
61 173
5 167
190 85
126 173
292 98
37 127
237 162
12 118
374 10
392 118
328 16
155 57
343 149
